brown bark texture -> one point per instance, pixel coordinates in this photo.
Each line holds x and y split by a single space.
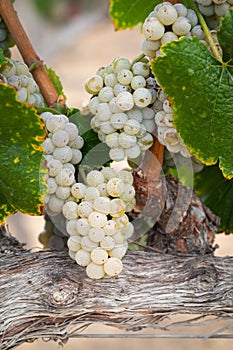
47 295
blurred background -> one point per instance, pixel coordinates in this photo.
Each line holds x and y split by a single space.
75 38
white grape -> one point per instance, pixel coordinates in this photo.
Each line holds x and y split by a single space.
102 204
97 219
84 209
73 243
62 192
127 141
110 227
115 187
51 185
153 29
103 112
64 154
133 152
82 226
48 146
126 176
95 271
112 140
166 14
118 207
121 63
71 227
107 243
181 26
87 244
55 204
125 101
125 76
78 190
95 178
132 127
106 94
113 266
96 234
142 97
99 256
137 82
82 257
141 68
118 120
91 194
118 252
65 177
117 154
94 84
76 156
54 123
71 130
70 210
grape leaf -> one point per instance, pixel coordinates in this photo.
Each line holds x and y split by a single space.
2 57
217 194
21 133
56 81
128 13
225 34
201 92
95 153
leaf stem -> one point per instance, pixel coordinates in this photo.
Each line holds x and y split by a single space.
28 53
208 34
138 58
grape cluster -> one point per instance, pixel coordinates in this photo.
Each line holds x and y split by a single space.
97 223
16 74
166 132
169 22
213 10
123 93
6 40
176 153
54 234
62 152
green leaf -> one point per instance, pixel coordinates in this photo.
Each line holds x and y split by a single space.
2 57
217 194
21 133
95 153
225 35
201 92
56 81
128 13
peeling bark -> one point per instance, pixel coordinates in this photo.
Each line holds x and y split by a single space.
46 294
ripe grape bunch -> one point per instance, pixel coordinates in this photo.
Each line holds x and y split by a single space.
95 212
97 223
123 95
166 23
16 74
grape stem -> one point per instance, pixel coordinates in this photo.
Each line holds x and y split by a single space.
28 53
206 30
138 58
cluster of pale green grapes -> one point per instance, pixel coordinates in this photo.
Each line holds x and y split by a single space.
213 10
62 152
97 223
166 23
17 75
94 212
121 106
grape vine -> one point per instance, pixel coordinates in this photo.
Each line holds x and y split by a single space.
173 102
